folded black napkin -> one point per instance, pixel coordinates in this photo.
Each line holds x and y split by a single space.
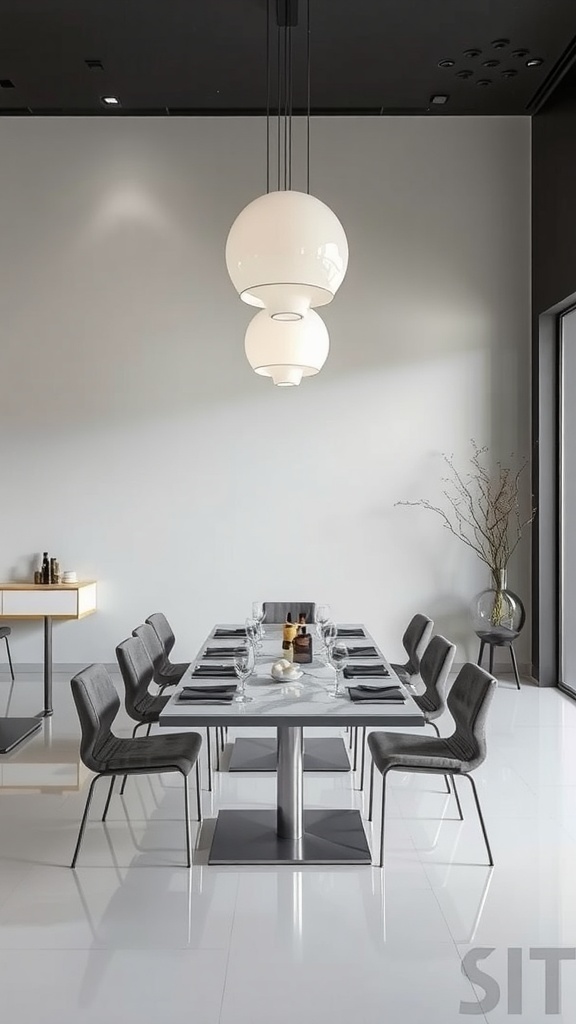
354 671
343 632
221 652
204 698
390 695
229 634
214 672
363 652
216 689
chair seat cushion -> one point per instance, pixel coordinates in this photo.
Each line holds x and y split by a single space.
170 674
5 631
402 673
149 707
427 705
148 753
398 750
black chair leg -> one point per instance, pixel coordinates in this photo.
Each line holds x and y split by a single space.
458 804
515 665
9 658
187 822
478 808
383 819
209 758
491 659
198 791
123 786
217 739
362 756
109 797
481 652
148 729
371 797
355 751
84 820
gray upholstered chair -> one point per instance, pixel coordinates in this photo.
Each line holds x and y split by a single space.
137 670
166 673
276 611
415 642
434 670
4 634
458 754
165 634
435 666
102 752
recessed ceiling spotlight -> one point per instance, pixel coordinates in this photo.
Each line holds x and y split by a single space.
465 73
520 53
6 83
484 81
439 99
534 62
490 63
509 73
500 44
472 53
111 101
447 63
94 65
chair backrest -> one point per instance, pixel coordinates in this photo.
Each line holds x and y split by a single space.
137 672
163 630
276 611
435 668
154 649
415 641
468 703
97 704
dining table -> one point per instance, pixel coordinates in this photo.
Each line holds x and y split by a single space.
290 833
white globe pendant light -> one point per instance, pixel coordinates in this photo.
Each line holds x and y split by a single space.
287 252
286 351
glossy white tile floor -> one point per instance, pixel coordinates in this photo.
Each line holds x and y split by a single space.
133 936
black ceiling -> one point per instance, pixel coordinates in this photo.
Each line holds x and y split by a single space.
209 56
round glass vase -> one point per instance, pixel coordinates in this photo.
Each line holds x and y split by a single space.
498 614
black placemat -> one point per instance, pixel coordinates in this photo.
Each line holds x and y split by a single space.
214 672
222 652
357 632
229 634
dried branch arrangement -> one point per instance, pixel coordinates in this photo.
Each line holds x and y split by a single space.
484 509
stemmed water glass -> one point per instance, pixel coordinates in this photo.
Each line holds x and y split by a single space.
329 633
337 656
243 667
258 613
252 634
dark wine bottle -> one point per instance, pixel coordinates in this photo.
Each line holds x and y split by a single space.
45 568
302 645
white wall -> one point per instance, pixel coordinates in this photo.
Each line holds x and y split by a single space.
139 447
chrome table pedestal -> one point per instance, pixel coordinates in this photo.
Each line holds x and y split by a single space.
290 834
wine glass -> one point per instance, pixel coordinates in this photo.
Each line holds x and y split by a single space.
337 656
322 613
252 633
243 667
329 633
258 613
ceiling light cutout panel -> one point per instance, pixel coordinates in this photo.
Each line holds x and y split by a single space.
286 252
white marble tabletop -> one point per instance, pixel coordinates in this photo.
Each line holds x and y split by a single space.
305 701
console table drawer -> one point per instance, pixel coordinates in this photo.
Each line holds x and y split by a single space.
43 602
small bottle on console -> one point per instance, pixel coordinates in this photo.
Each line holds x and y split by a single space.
45 568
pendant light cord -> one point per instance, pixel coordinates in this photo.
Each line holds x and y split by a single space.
308 96
268 95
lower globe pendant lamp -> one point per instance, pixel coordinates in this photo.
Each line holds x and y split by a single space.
287 350
287 252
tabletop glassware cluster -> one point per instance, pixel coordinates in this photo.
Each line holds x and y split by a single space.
334 652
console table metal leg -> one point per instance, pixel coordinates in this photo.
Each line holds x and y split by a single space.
290 819
48 709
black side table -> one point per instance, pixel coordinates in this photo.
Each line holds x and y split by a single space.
498 639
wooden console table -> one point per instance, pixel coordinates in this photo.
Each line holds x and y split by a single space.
48 602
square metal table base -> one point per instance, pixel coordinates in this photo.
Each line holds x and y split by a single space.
14 730
259 754
249 837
